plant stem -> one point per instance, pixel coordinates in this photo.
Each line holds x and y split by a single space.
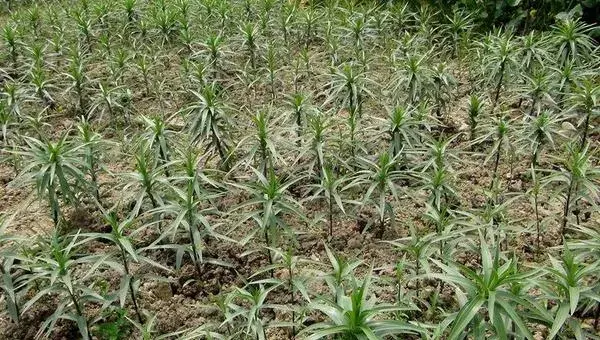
93 175
532 110
80 97
417 270
537 220
496 165
54 205
498 87
585 130
330 216
398 291
292 298
163 153
193 241
381 228
131 290
567 206
597 317
154 206
299 125
269 255
534 157
79 312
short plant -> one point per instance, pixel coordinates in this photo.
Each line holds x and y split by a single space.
53 167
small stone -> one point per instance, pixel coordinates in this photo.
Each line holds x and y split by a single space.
163 290
355 243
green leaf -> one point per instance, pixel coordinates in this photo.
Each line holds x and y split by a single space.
573 298
82 325
123 289
499 326
561 316
11 300
464 317
299 285
128 247
491 304
514 316
486 258
575 326
369 333
11 307
323 333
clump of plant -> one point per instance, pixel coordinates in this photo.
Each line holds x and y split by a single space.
55 168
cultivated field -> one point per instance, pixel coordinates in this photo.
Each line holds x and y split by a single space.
261 169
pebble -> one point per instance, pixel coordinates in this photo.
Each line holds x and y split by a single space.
355 243
163 291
